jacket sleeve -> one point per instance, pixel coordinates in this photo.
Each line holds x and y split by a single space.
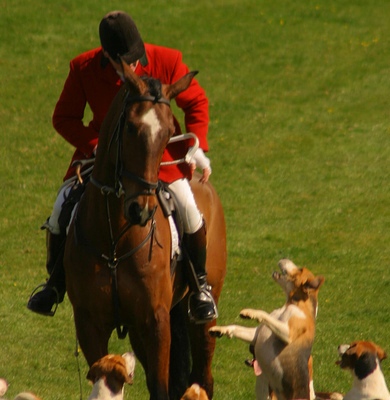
194 104
69 112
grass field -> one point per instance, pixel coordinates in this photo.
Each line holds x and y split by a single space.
300 149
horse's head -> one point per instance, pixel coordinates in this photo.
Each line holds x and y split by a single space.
146 128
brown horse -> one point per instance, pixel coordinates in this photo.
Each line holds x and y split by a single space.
118 251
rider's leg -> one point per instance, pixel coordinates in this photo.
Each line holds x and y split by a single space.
53 291
202 306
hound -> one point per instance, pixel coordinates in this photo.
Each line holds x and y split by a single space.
283 341
363 360
109 374
195 392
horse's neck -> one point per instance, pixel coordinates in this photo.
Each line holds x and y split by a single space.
100 203
103 171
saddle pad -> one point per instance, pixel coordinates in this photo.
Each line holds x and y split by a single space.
175 248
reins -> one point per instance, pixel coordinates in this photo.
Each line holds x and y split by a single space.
112 258
149 189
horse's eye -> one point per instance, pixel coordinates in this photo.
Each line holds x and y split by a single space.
130 128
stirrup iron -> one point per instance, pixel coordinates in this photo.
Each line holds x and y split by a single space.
52 312
207 293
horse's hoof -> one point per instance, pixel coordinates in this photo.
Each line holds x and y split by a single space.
42 302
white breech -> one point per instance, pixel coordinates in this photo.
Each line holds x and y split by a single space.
189 212
52 223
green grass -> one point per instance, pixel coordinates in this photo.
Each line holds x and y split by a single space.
300 149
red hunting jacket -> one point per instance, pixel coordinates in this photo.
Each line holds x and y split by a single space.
89 83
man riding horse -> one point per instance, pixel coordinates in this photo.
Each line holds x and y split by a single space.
95 77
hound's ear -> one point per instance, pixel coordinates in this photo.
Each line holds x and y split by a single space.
91 375
352 349
307 280
380 353
315 283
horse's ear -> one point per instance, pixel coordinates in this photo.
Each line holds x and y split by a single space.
181 85
135 81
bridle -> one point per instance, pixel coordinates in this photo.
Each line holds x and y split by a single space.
149 188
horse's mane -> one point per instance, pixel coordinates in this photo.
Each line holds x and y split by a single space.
154 86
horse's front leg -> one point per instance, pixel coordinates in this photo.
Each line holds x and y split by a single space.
156 337
93 340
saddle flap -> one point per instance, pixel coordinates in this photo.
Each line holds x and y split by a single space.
168 205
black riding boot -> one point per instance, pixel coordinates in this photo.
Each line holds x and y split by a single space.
53 291
202 307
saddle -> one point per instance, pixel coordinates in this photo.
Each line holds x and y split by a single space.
166 200
169 207
73 197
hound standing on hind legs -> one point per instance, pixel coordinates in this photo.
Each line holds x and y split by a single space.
283 341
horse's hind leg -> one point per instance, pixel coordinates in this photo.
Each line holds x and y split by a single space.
93 340
179 368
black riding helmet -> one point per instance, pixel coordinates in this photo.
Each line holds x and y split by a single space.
119 36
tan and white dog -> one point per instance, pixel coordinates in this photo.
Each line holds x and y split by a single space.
195 392
363 360
284 339
20 396
109 374
26 396
3 387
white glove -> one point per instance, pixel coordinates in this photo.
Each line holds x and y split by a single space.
202 162
200 159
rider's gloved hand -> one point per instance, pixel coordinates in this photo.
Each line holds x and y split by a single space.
202 162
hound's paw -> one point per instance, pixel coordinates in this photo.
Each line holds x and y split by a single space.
247 313
219 331
215 331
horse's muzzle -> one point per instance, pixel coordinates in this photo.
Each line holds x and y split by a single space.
138 215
